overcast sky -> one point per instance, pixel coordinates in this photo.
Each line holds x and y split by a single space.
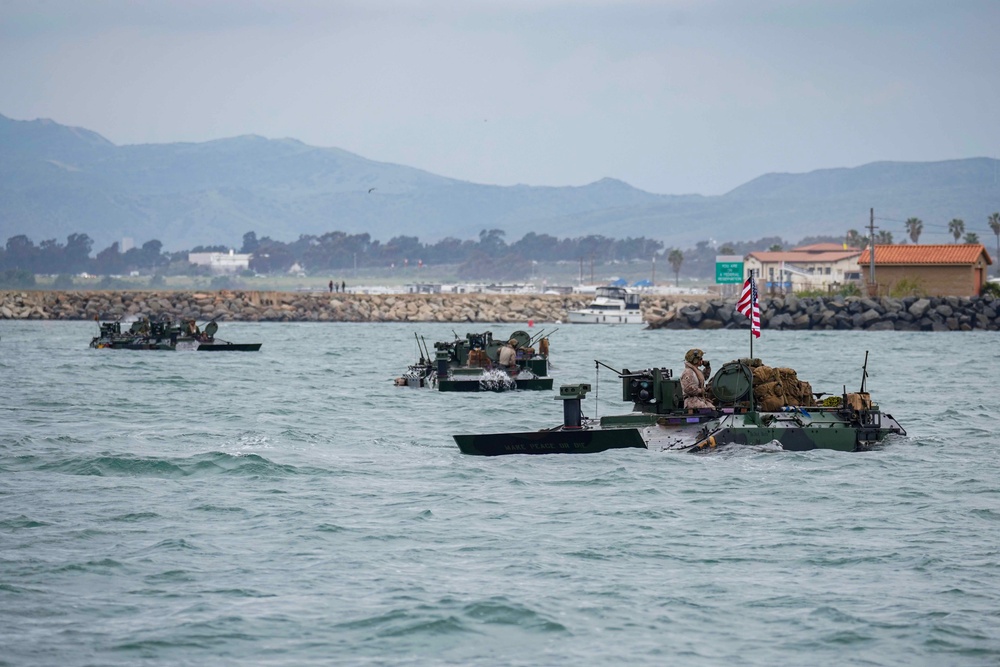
671 96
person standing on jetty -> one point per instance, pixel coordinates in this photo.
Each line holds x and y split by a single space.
331 287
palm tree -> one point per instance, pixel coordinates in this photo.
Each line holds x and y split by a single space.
957 228
971 237
913 227
853 239
995 226
883 237
676 258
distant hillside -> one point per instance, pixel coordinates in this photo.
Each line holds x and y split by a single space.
57 180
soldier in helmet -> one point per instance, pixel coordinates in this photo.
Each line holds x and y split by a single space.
694 380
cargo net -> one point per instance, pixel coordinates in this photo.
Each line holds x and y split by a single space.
775 388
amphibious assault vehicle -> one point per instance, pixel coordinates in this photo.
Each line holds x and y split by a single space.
473 364
164 335
658 420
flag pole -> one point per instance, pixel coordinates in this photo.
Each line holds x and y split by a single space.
748 305
753 402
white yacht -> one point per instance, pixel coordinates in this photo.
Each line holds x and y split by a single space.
612 305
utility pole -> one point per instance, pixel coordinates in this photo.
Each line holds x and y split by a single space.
591 268
871 244
654 268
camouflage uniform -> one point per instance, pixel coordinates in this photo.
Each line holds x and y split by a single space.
693 381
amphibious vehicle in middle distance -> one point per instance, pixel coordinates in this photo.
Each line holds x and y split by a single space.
474 363
144 334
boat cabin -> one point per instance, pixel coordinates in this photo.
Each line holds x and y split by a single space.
615 294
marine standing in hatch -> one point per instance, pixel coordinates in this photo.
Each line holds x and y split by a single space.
693 380
508 356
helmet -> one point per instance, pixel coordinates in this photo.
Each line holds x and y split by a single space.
693 355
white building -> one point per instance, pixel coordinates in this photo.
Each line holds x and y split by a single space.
221 262
423 288
813 267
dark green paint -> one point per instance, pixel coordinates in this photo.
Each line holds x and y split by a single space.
165 335
461 365
658 421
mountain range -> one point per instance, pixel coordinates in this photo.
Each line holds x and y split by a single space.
57 180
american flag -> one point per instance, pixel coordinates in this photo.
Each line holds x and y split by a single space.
748 305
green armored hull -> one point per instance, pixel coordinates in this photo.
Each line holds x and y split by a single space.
556 441
817 429
146 335
658 421
472 364
483 382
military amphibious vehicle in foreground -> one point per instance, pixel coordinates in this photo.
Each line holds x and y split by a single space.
474 363
146 335
848 422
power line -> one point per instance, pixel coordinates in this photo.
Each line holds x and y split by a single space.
940 228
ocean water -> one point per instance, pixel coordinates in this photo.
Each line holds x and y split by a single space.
293 507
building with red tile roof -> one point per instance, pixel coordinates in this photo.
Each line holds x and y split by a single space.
820 266
823 247
957 269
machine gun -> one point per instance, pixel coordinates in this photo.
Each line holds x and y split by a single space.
652 390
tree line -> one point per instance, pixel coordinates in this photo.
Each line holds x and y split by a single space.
915 227
488 257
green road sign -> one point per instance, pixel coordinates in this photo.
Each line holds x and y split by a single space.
728 269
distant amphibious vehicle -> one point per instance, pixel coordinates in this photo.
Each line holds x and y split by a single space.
741 389
146 335
480 363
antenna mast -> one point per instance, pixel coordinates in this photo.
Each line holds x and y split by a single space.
871 245
864 372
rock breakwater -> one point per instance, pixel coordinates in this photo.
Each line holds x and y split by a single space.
253 306
661 311
947 313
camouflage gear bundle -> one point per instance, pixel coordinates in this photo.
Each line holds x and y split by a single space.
774 388
478 359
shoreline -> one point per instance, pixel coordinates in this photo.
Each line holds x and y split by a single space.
705 312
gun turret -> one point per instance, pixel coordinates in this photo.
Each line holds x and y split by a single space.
653 390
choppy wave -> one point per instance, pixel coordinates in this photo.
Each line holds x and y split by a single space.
293 507
201 465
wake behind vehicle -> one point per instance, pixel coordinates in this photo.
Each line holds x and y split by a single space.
477 363
164 335
658 420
